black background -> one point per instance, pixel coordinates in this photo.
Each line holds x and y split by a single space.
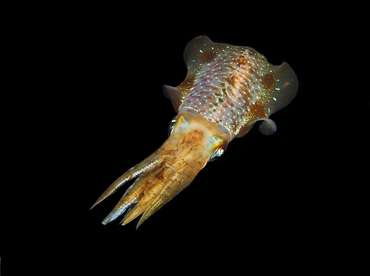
289 203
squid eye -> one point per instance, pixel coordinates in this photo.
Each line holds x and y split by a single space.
171 125
217 154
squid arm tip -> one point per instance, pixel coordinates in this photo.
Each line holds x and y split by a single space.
100 199
140 222
106 220
96 203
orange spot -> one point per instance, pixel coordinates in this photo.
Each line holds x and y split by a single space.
258 110
267 81
208 55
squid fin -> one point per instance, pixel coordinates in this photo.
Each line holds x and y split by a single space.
174 94
198 52
284 89
268 127
280 86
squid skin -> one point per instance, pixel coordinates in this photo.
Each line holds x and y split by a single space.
227 89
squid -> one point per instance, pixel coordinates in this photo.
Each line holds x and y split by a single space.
227 90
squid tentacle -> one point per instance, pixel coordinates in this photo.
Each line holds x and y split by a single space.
132 173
